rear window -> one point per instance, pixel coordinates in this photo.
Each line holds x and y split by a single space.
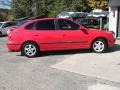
31 26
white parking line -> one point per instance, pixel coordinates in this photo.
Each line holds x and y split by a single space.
102 87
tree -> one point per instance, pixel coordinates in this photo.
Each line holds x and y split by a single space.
80 5
56 7
46 8
21 8
68 5
41 8
4 14
98 4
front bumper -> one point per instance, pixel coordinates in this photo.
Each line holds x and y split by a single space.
111 43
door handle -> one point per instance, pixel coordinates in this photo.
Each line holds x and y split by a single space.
64 35
36 35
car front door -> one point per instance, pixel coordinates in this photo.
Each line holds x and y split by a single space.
73 37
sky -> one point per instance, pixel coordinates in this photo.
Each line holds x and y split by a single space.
4 4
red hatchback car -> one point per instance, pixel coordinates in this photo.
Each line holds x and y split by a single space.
49 34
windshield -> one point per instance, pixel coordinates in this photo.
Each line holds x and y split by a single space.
82 21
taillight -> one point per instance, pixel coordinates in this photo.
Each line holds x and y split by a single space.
9 35
10 31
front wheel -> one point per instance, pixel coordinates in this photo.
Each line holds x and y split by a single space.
99 45
30 50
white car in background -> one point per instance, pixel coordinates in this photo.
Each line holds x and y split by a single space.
4 27
98 13
72 15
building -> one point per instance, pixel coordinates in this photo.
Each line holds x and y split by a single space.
114 17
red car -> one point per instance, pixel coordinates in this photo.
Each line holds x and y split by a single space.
49 34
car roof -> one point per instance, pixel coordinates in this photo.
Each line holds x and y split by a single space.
87 19
6 22
40 19
48 19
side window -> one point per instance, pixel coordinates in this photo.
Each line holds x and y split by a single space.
67 25
8 24
30 26
5 25
45 25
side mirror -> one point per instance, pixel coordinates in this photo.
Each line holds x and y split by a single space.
83 28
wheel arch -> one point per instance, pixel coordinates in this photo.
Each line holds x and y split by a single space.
99 38
29 41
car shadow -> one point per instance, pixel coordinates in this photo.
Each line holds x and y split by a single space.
3 36
62 52
114 49
65 52
72 52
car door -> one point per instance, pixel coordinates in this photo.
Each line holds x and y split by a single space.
46 35
72 36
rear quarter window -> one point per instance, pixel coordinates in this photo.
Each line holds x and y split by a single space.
45 25
30 26
41 25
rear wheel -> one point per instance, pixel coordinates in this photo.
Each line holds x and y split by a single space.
30 50
99 45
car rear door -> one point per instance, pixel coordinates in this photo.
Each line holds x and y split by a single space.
46 36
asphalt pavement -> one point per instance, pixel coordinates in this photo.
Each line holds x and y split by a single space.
21 73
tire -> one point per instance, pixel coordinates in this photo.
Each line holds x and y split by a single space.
30 50
99 45
0 33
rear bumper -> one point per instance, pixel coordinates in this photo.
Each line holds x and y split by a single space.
13 47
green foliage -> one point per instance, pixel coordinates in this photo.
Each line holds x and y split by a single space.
98 4
10 18
81 5
41 8
3 14
21 8
57 7
47 8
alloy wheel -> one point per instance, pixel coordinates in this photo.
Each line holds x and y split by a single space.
99 46
30 49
